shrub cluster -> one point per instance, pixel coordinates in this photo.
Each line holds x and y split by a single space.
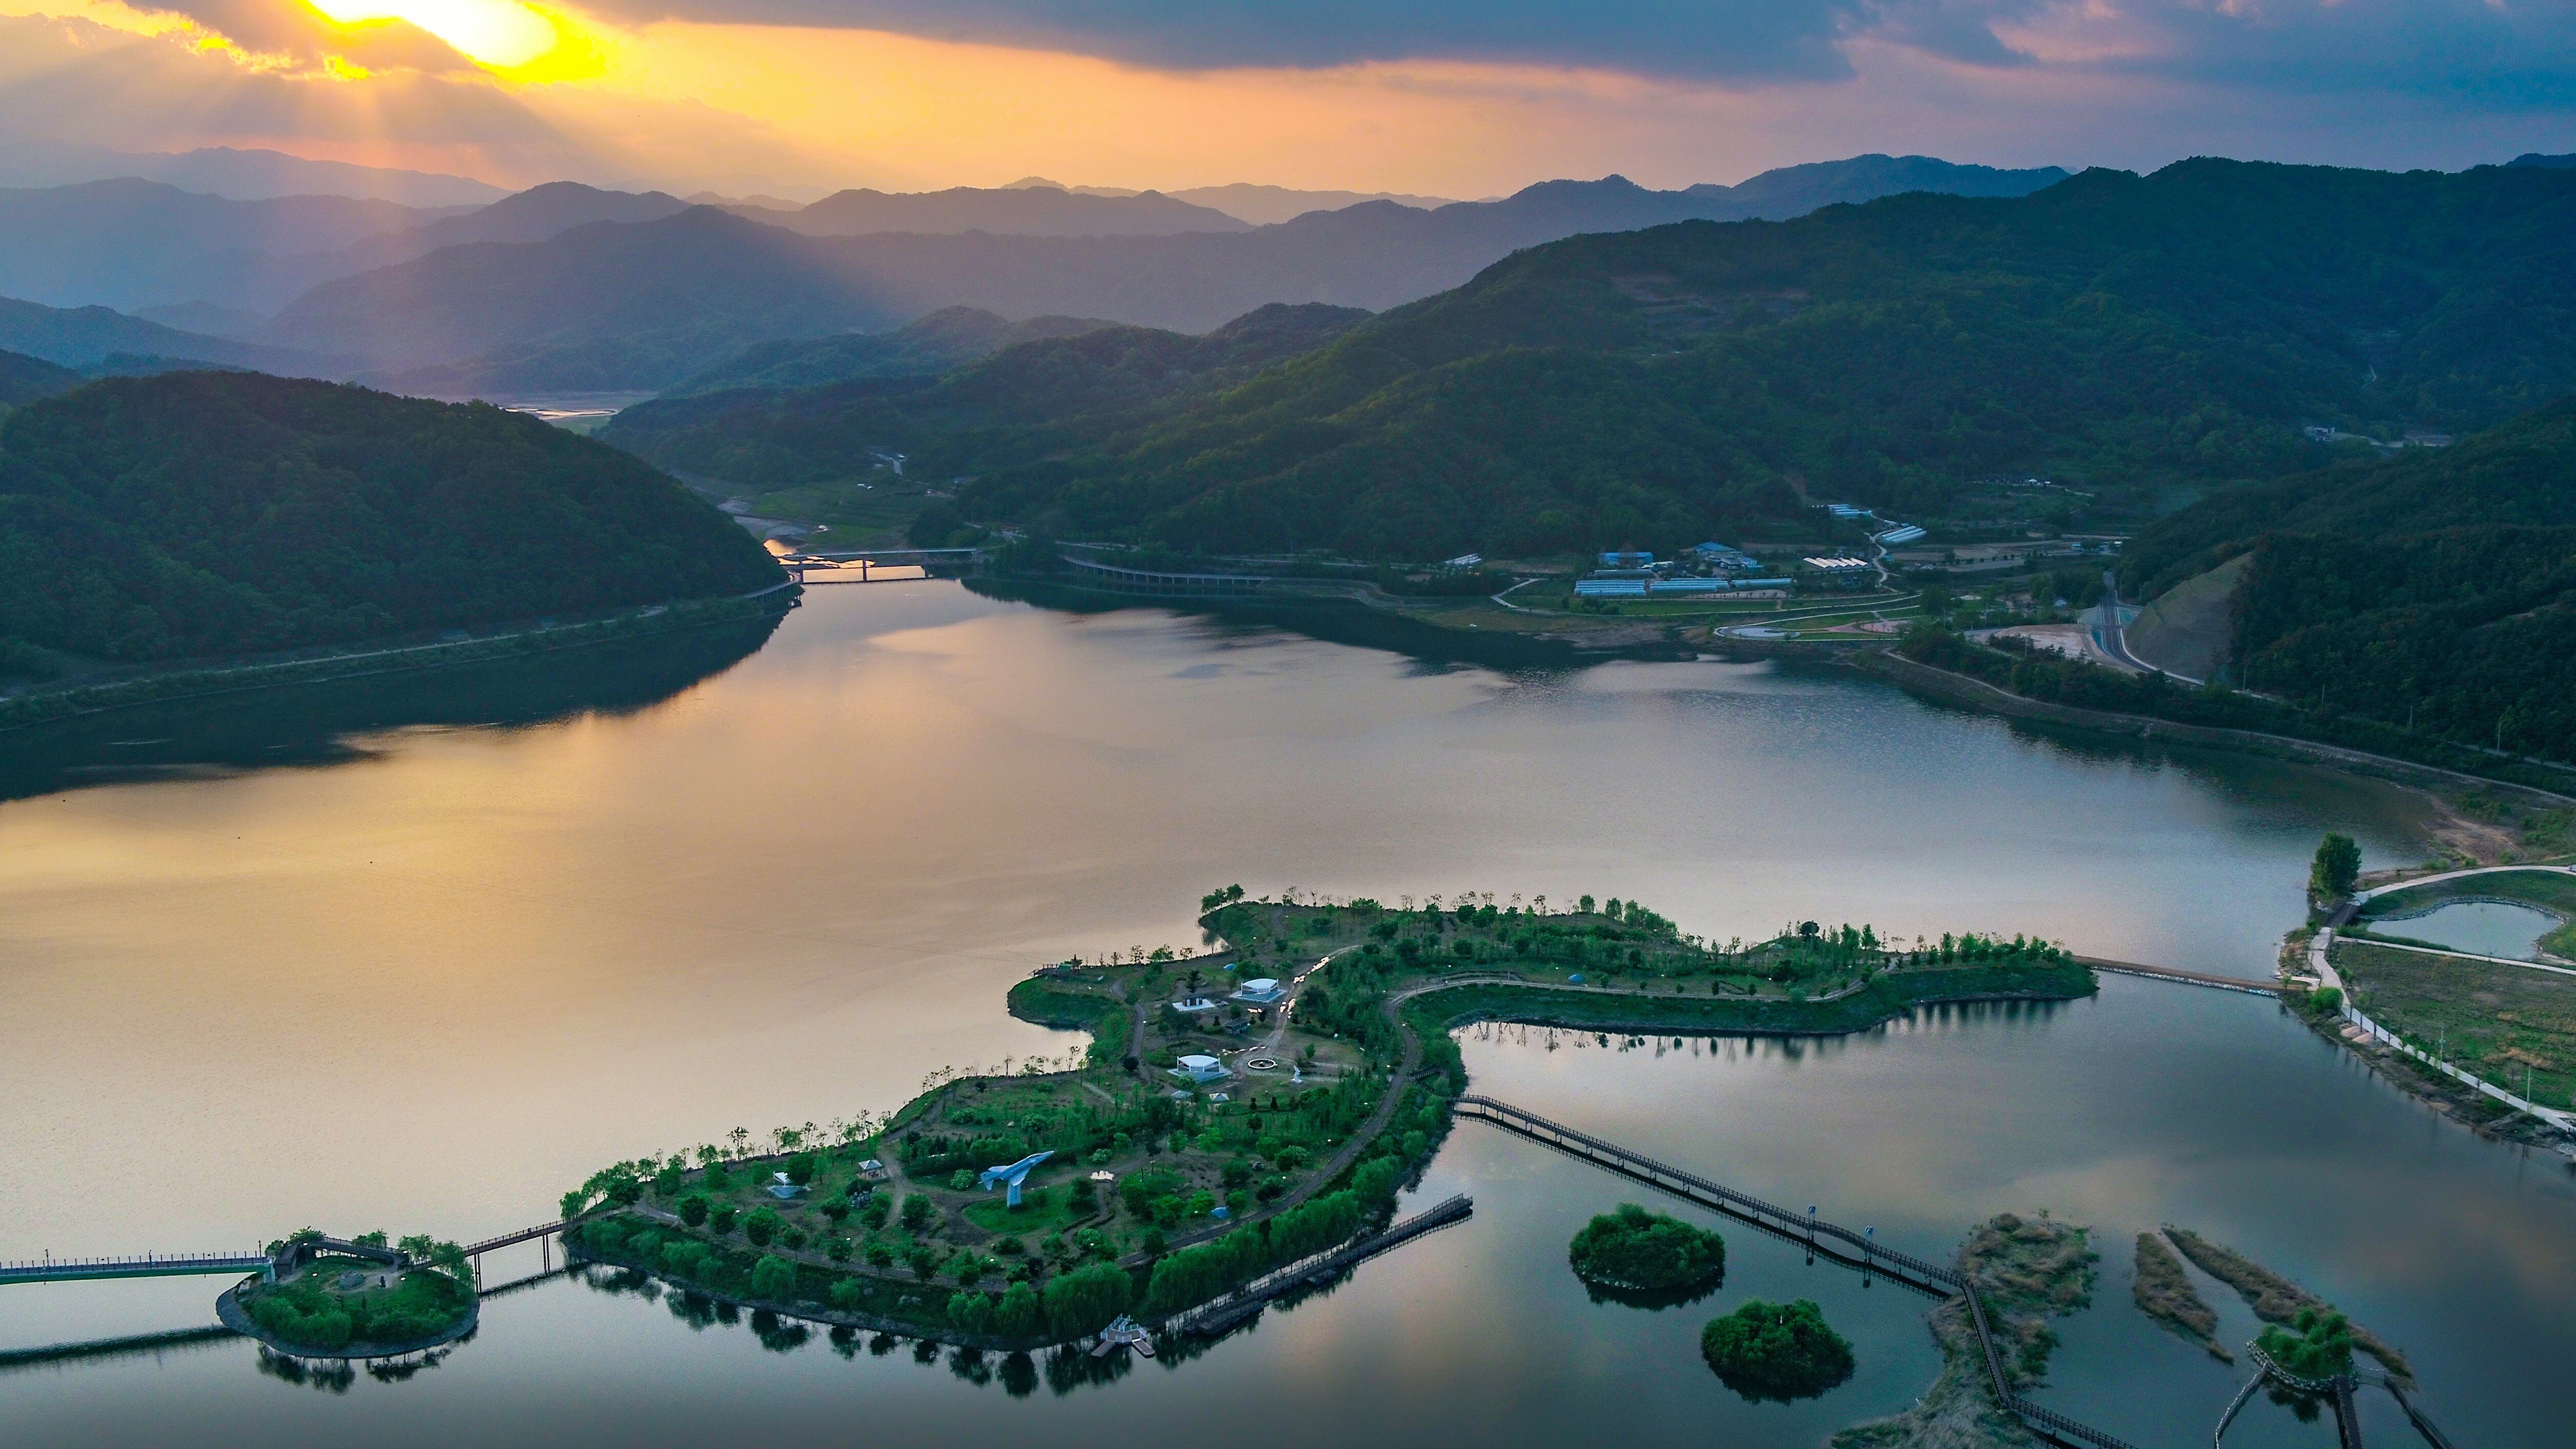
1779 1351
1636 1249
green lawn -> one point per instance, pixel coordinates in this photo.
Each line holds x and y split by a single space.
2488 1019
996 1216
857 516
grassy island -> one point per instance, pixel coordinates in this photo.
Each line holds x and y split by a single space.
1778 1351
1633 1254
344 1305
1233 1111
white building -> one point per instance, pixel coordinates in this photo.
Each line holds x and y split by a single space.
1201 1070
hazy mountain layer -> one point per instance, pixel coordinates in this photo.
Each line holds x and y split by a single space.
710 281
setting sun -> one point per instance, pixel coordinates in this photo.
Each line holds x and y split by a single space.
494 32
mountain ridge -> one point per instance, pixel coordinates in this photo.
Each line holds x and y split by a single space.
461 303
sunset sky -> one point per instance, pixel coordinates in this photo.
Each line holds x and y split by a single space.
1450 97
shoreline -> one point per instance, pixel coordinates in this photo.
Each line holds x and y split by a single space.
182 682
1578 641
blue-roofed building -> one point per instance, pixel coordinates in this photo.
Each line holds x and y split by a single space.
1627 559
1724 556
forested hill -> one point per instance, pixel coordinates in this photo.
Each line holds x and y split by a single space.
2112 330
2435 590
24 379
1022 404
201 513
2523 472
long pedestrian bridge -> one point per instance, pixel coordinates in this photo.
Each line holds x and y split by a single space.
288 1256
148 1265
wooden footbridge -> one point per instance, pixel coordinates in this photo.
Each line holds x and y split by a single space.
1829 1240
1219 1314
286 1258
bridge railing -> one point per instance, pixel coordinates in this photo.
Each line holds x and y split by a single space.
38 1267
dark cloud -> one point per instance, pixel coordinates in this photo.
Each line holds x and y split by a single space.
2485 53
1741 40
2467 54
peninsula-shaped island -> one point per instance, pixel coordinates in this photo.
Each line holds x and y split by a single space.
1234 1112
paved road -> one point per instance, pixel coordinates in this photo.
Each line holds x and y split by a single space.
2113 637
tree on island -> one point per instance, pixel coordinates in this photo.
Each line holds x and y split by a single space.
1778 1351
1651 1259
2317 1344
2338 865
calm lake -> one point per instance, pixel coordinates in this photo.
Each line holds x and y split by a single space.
423 961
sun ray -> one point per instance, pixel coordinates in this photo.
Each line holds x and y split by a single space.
494 32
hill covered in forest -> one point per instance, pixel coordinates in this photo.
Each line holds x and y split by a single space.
2435 590
2124 334
24 379
200 513
1020 405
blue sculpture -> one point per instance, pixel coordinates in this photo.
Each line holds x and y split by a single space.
1013 1175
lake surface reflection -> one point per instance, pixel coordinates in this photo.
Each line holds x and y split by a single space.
429 981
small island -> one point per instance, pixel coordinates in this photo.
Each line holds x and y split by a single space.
1649 1259
1234 1111
363 1297
1778 1351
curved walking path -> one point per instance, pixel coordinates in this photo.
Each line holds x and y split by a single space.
2392 887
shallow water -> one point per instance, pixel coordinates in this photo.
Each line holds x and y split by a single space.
428 978
2481 928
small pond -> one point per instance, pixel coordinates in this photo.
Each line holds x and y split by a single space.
2481 928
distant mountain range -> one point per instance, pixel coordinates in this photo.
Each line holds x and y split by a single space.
2120 333
100 339
237 175
136 244
1259 205
642 305
1018 211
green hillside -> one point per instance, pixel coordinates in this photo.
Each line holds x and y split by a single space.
24 379
2130 335
199 513
926 346
1021 405
2435 590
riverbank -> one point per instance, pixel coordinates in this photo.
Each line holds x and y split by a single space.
2480 803
75 699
